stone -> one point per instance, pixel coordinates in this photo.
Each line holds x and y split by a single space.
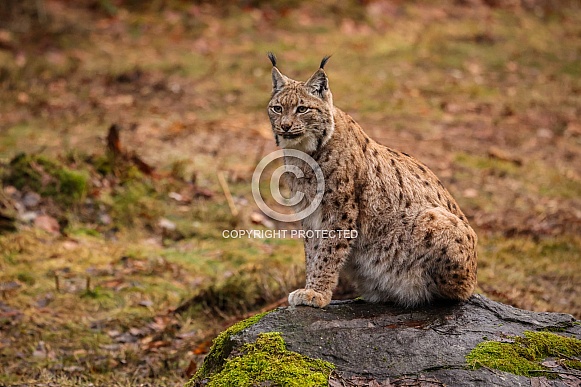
386 345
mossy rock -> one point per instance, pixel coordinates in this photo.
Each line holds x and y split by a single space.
47 177
266 360
222 346
370 344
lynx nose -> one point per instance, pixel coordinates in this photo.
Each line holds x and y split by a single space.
285 127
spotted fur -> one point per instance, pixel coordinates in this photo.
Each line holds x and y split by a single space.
414 243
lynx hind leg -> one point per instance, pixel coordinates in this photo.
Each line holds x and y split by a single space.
449 245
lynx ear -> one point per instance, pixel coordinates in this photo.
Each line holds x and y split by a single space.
318 83
278 80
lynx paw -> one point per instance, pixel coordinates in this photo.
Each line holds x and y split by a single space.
309 297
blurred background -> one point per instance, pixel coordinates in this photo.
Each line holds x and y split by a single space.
129 131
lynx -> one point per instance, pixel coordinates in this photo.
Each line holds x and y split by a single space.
413 245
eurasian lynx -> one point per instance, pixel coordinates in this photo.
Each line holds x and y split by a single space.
413 245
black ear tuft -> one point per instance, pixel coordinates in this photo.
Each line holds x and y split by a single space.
272 58
324 61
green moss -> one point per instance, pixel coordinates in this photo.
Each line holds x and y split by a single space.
26 277
221 346
545 344
268 360
501 356
525 354
47 177
134 201
575 364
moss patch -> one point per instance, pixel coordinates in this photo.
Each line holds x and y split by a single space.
575 364
268 360
47 177
525 354
222 344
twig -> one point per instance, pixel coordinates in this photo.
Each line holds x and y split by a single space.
227 193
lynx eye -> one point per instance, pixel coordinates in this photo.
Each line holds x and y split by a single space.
277 109
302 109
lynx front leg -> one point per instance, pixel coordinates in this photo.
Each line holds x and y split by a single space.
324 260
309 297
325 256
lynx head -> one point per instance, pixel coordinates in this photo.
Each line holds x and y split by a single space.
301 113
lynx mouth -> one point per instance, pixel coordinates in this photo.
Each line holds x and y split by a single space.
288 136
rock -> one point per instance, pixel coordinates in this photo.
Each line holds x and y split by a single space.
385 345
31 199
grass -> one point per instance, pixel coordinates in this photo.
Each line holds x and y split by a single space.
187 85
130 287
530 273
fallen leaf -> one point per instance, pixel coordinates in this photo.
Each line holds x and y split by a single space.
500 154
258 218
470 193
146 303
74 369
203 192
175 196
6 39
135 331
119 100
47 223
116 284
191 370
113 333
70 245
166 224
203 348
158 344
146 340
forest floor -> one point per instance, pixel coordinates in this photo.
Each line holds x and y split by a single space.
124 133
